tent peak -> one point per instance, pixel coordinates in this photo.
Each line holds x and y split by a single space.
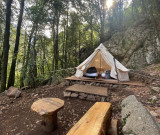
101 47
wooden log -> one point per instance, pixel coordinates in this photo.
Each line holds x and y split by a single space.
95 121
49 122
113 129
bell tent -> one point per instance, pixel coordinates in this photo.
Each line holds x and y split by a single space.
102 60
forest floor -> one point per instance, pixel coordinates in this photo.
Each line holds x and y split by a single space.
16 117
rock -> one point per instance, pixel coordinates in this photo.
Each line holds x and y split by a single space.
74 95
155 89
13 92
38 121
67 83
98 98
153 113
83 95
91 98
81 82
136 119
1 112
67 94
106 85
103 99
154 98
158 111
115 86
92 83
107 99
97 84
72 110
35 95
25 87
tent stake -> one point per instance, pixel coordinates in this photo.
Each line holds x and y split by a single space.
116 68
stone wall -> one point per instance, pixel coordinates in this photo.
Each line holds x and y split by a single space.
85 96
91 97
101 84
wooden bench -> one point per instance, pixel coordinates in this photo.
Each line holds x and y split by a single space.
95 121
48 108
113 128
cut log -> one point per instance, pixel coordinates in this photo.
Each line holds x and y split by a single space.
48 108
95 121
113 129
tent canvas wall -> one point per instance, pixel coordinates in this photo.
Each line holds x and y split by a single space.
103 60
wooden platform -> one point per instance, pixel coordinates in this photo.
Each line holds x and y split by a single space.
106 81
101 91
94 122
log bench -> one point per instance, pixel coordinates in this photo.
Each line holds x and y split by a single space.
48 108
95 121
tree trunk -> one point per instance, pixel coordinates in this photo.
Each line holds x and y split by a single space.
79 48
66 42
91 31
11 79
91 24
43 57
0 63
53 31
28 53
35 57
23 63
102 12
33 66
63 51
121 15
75 45
6 46
56 50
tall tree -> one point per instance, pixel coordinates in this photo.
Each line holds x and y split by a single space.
1 31
6 45
11 79
57 8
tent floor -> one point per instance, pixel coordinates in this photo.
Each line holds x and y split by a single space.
105 81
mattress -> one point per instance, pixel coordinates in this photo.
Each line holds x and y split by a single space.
91 74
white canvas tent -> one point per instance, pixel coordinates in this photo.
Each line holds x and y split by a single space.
103 60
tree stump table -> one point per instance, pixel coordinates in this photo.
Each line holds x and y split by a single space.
48 108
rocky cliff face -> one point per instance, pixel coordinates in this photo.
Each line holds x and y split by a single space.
137 46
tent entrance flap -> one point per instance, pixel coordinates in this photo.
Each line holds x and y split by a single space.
99 63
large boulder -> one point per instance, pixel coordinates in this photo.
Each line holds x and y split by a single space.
136 46
136 119
13 92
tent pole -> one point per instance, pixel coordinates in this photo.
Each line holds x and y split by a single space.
100 63
116 68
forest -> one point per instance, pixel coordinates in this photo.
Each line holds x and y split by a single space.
40 37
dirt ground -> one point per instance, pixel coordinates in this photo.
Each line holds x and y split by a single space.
16 117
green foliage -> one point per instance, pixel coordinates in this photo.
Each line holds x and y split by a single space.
80 26
125 119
